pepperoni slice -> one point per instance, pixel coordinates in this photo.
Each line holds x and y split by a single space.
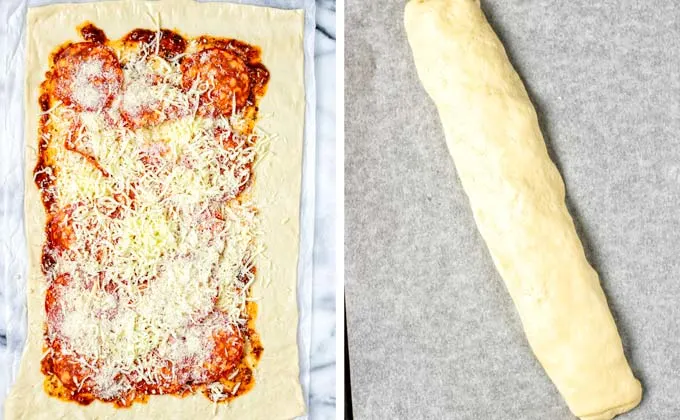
74 375
60 234
170 378
52 296
211 220
86 76
242 171
144 115
227 353
81 146
152 154
139 107
228 347
226 77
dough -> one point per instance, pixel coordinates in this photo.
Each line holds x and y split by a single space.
517 197
277 392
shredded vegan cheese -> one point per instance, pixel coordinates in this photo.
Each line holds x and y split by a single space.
163 241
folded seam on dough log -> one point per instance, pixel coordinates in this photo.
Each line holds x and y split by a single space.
517 198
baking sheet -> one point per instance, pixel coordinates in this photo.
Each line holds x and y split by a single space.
432 330
13 257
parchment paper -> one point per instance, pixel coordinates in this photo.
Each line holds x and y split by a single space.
13 258
432 331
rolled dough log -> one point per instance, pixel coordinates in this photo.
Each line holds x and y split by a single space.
517 197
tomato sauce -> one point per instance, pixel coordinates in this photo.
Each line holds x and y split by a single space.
91 33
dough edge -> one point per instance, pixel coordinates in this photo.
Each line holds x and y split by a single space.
613 412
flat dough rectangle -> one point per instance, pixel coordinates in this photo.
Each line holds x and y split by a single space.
279 33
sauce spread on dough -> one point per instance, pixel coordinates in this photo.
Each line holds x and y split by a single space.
115 111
